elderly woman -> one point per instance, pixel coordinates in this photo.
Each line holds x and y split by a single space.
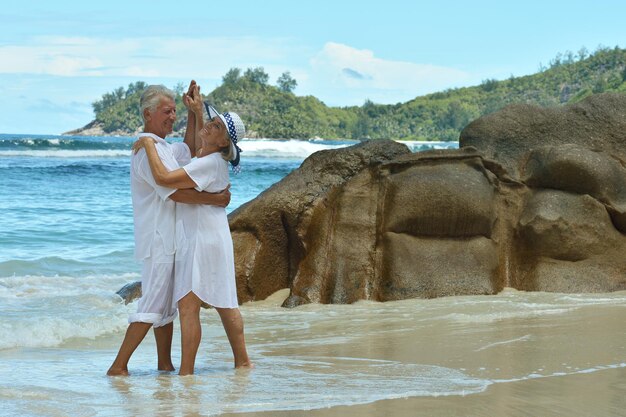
204 269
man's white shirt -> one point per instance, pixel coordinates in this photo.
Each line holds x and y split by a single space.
154 212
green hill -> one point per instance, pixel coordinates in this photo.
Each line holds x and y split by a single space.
275 112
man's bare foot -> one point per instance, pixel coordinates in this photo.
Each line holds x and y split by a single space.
181 373
117 372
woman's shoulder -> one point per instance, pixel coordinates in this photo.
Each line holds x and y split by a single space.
216 160
210 159
207 165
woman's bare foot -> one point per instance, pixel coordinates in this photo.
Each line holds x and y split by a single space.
117 372
245 365
166 367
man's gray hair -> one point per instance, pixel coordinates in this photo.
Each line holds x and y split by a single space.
152 96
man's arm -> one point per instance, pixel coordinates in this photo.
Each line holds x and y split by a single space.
190 130
191 196
190 133
197 107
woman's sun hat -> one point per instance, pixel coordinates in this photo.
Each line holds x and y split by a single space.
236 131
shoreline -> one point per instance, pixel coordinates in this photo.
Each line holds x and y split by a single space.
92 129
598 394
80 133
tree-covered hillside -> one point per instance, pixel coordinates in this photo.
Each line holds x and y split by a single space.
275 112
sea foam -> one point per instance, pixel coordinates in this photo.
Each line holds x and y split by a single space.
60 153
296 149
263 148
44 311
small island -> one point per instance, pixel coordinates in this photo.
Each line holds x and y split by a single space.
275 112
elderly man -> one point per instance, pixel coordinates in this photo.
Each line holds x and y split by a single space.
154 221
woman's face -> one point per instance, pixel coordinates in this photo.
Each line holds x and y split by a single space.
213 135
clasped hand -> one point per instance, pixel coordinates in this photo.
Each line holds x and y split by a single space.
192 98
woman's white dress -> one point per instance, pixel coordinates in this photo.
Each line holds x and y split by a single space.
204 246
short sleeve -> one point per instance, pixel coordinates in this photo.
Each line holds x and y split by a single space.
144 172
181 152
203 171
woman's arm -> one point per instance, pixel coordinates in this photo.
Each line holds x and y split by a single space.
172 179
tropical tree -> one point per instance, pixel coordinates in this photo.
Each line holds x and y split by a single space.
257 75
286 83
231 76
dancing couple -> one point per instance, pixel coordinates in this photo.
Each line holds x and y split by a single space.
181 229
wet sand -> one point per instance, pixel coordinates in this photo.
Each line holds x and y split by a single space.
541 355
596 394
511 354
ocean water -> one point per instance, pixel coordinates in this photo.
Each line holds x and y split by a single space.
66 246
65 200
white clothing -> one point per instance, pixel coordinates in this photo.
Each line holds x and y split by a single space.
155 237
156 305
154 213
204 255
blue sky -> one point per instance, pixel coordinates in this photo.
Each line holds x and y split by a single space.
57 57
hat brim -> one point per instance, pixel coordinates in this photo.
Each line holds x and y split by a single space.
233 142
235 151
225 124
211 111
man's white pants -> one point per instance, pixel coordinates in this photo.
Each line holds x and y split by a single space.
157 285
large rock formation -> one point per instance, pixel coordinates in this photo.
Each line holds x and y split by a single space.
274 233
535 199
570 233
596 123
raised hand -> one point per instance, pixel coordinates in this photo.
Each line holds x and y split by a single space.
189 93
192 85
195 100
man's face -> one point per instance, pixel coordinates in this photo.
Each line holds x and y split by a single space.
162 119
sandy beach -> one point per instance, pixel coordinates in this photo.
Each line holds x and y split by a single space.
599 393
511 354
581 372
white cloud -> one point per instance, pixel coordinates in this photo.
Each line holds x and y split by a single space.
345 75
338 74
208 57
41 76
65 70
